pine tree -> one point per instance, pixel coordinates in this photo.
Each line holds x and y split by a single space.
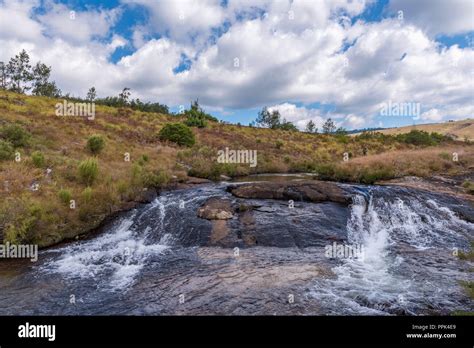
19 72
329 126
91 94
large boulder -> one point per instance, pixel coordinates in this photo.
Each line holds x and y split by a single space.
216 208
308 191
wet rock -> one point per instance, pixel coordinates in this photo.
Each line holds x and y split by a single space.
196 181
216 209
175 184
308 191
147 195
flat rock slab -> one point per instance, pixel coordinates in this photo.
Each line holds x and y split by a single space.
309 191
216 208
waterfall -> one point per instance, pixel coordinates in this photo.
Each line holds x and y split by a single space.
388 280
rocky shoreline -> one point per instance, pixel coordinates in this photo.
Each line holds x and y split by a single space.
313 191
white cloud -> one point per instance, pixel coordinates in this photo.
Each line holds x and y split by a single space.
437 16
16 23
281 61
299 116
77 26
181 19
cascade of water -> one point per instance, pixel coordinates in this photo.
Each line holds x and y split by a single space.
378 282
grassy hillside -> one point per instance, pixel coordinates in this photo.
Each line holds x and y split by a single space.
56 166
459 130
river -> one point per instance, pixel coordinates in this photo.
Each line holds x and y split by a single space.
161 258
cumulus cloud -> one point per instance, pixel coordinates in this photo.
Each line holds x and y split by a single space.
277 53
76 26
299 116
437 16
183 20
16 22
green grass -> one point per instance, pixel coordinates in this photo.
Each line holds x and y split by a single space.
469 186
88 171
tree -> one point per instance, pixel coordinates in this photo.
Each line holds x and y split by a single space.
3 75
311 127
177 133
341 131
92 94
19 71
285 125
197 117
41 85
124 95
268 119
329 126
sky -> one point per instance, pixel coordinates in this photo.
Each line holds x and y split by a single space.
358 62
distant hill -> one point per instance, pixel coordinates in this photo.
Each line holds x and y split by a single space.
357 131
459 130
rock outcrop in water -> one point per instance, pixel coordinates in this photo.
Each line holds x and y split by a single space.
307 191
216 208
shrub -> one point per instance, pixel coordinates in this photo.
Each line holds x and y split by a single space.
177 133
23 228
195 121
7 152
95 144
469 186
38 159
279 144
325 171
371 175
155 180
196 117
143 160
16 135
446 156
88 171
65 196
87 195
416 137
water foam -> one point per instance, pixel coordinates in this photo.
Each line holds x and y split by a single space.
115 258
378 282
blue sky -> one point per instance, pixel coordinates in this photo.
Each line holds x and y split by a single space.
309 59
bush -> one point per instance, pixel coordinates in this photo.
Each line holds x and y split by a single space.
38 159
88 171
371 175
65 196
143 160
141 177
195 121
279 144
22 230
16 135
446 156
155 180
469 186
177 133
7 152
416 137
196 117
95 144
87 195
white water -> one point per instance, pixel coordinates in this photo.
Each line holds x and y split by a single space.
115 258
379 283
407 265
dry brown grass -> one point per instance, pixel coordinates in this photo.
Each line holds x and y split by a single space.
459 130
42 217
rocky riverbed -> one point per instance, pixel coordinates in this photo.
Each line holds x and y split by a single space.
259 248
